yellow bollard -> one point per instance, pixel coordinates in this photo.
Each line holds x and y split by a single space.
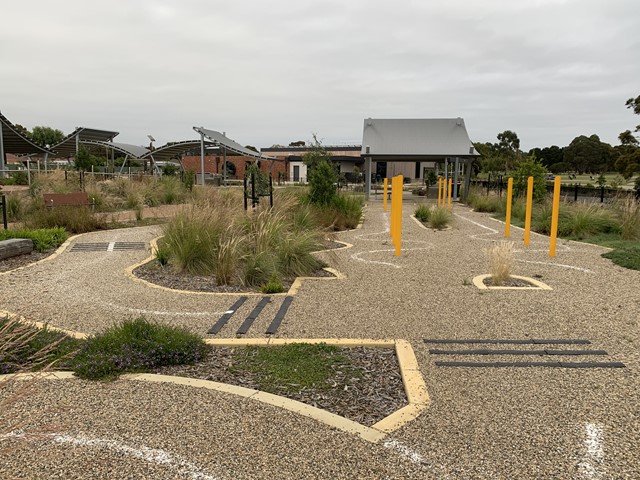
449 190
398 215
392 218
439 190
554 216
527 220
507 220
385 188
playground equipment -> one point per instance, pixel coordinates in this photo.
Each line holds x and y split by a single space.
527 218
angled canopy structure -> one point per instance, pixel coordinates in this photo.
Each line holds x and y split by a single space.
418 139
174 150
14 142
221 140
69 144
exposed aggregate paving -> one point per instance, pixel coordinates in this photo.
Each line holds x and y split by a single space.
482 423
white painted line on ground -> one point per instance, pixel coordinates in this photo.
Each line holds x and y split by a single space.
413 456
562 265
356 256
111 246
151 455
594 454
492 230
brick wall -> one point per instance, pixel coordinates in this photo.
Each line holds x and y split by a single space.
213 164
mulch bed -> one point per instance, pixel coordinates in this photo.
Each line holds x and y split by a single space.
377 393
510 282
166 276
22 260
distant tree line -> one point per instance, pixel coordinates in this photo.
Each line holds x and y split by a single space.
585 154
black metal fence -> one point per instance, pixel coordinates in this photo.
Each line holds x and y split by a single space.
570 192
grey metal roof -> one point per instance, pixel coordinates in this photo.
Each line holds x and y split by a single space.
219 139
135 151
15 143
67 146
413 138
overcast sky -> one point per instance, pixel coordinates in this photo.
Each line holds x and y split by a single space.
270 72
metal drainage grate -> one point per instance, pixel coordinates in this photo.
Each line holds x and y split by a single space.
107 247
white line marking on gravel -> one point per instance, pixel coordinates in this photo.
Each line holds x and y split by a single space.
162 312
586 270
356 256
111 246
151 455
594 455
413 456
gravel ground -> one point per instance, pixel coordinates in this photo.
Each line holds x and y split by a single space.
482 422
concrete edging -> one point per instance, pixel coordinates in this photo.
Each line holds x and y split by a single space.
478 281
415 387
295 286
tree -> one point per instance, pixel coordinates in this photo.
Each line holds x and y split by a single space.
587 154
530 167
321 173
83 159
627 138
251 147
46 135
509 148
22 130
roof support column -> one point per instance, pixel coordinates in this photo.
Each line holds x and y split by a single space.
367 180
46 158
2 159
224 166
467 178
455 178
202 158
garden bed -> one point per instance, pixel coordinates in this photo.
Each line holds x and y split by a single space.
23 260
365 386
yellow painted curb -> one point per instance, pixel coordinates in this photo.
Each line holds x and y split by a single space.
295 286
415 388
42 325
55 254
537 285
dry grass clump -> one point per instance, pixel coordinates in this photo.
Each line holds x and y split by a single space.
216 237
501 261
630 219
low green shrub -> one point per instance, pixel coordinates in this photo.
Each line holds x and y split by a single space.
490 204
163 254
43 238
422 213
136 346
15 209
627 256
274 285
290 368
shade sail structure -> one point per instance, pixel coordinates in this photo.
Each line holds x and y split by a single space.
416 139
134 151
67 147
219 139
14 142
174 150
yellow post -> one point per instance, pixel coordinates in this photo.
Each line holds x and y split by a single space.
527 220
554 216
449 190
392 217
507 220
398 216
385 187
439 189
